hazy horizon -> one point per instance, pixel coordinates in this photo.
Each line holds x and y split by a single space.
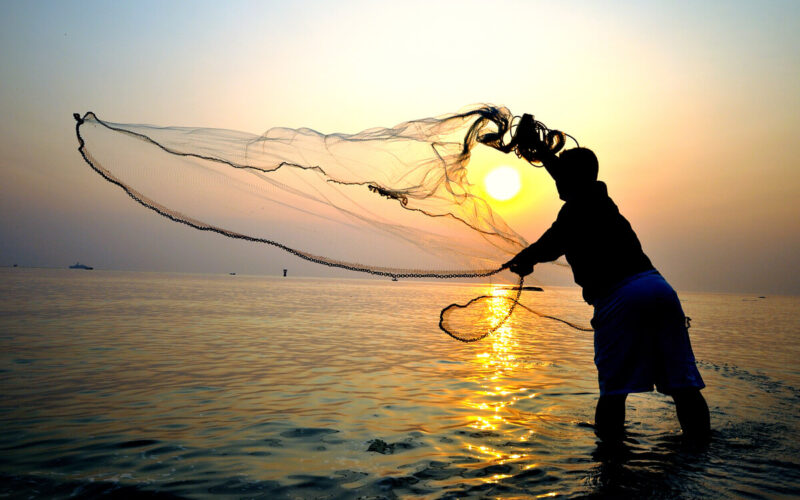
692 110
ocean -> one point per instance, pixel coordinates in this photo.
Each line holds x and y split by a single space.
217 386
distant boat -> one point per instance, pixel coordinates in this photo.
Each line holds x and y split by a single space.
78 265
528 288
232 274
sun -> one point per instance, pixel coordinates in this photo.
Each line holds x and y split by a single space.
502 183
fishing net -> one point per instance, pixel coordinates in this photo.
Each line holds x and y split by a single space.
392 202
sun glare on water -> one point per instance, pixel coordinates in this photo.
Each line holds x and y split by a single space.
502 183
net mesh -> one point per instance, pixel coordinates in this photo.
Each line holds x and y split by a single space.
385 201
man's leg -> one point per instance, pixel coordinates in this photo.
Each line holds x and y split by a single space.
692 413
609 418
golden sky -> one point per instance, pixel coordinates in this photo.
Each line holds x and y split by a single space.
692 108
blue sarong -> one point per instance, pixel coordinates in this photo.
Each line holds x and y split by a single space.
641 339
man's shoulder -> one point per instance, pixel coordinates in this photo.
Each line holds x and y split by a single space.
600 190
596 193
599 196
594 203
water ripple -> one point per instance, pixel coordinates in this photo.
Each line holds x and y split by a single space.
189 386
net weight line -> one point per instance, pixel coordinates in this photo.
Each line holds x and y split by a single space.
514 303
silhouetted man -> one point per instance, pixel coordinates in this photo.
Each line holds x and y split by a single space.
641 337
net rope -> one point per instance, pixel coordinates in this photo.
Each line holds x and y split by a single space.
415 170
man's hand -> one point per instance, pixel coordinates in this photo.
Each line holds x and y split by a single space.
519 265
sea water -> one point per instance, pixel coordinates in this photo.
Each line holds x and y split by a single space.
201 386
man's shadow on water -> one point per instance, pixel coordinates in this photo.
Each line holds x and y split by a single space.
639 466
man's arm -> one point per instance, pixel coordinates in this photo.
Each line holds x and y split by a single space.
547 248
551 162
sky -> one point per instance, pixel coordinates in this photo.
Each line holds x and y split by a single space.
692 108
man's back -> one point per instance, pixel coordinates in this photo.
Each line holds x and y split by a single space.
599 243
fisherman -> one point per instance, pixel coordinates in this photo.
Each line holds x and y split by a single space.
641 337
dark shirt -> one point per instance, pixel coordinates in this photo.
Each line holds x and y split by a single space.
596 239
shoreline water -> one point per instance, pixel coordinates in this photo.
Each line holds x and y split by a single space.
357 277
175 384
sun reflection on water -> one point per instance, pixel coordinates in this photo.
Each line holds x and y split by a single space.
498 364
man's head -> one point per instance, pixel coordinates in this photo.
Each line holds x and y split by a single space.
577 169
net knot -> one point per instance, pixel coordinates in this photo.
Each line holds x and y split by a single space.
403 199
